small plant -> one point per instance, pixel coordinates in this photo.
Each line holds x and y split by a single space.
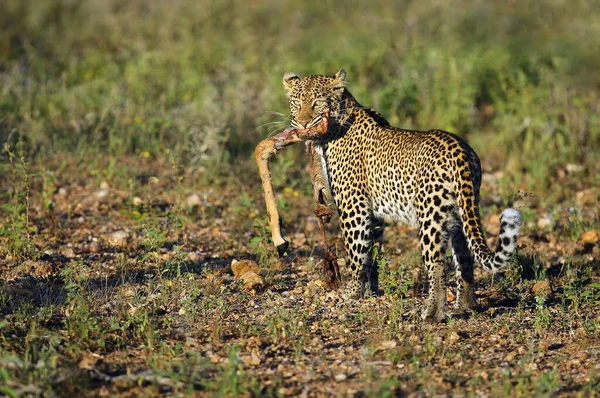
262 243
233 382
395 282
580 292
543 318
81 324
548 384
15 230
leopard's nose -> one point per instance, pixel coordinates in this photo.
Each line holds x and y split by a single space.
303 123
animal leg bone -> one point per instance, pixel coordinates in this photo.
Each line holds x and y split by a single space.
269 147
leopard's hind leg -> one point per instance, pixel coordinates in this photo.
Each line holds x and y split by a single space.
377 227
435 216
465 281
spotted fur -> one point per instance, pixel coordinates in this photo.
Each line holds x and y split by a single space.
377 172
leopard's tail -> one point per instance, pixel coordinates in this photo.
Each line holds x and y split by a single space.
510 225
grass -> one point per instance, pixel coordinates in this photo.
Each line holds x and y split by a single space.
140 118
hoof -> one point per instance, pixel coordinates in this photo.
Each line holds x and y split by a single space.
282 248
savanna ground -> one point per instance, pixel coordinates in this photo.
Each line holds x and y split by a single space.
128 188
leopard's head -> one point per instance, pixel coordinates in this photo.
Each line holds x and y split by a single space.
311 96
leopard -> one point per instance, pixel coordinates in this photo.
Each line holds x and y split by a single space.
377 173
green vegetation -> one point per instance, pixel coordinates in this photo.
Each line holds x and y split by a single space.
199 77
127 186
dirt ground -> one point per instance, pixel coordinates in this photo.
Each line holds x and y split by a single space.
122 284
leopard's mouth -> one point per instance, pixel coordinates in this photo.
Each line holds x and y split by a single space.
317 129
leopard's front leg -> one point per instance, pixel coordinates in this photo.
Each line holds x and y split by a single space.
357 223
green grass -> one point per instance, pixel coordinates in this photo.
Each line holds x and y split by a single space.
198 77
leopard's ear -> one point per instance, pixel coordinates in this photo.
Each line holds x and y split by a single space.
339 82
290 79
340 77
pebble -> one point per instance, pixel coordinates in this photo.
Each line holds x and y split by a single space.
94 247
591 236
103 191
193 200
545 221
194 257
117 238
542 288
340 377
68 252
252 281
241 267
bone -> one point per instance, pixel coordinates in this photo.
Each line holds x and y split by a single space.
269 147
264 150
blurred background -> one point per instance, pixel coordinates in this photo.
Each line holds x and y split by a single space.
202 79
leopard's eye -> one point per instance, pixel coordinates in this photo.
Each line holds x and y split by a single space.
319 102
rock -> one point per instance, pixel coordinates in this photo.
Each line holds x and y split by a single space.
117 238
545 221
94 247
41 269
194 257
311 288
340 377
453 337
510 357
387 345
542 288
239 268
252 281
62 191
88 361
573 168
252 359
137 201
587 197
248 271
103 191
589 237
68 252
193 200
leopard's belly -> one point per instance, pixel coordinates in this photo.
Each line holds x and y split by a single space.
395 211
